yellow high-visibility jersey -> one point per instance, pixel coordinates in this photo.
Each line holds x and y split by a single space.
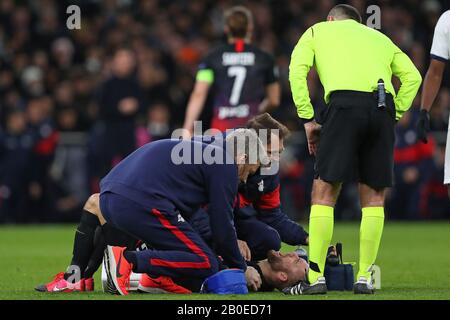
350 56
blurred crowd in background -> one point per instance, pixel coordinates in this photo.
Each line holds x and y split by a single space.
73 103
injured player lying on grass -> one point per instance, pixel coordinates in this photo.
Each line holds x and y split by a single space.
278 271
259 240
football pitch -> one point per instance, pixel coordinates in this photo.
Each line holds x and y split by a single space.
414 259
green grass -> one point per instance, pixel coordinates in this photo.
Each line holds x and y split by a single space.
414 260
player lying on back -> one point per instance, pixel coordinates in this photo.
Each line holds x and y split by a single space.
262 231
277 271
149 196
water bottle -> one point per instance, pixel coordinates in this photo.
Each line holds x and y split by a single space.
376 276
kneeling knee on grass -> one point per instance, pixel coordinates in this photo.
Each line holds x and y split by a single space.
92 205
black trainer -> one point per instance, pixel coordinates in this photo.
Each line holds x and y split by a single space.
303 288
363 286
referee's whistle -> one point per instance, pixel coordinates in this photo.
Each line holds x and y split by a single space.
381 94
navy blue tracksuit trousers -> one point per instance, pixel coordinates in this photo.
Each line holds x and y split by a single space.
177 249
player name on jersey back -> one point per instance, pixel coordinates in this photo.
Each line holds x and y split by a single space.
238 58
239 78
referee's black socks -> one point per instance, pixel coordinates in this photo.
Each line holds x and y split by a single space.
83 245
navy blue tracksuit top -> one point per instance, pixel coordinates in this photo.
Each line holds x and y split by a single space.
149 177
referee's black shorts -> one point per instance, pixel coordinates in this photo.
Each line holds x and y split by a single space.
357 140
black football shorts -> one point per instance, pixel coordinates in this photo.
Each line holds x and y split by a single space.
357 140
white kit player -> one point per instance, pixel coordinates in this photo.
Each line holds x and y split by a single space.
440 55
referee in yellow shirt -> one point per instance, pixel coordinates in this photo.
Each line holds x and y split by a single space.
356 139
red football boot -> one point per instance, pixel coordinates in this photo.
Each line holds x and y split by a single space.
161 284
119 269
59 284
89 284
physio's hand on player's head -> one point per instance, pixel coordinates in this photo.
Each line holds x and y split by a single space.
244 250
423 126
312 130
253 278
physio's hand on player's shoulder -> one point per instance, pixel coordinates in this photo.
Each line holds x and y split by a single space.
423 126
253 279
312 130
244 250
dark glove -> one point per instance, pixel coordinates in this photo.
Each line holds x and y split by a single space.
423 126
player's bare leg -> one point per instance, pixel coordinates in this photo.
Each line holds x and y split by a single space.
93 206
324 193
372 222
